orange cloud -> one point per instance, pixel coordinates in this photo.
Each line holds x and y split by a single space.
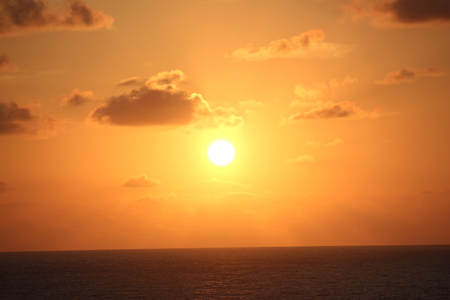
131 81
400 12
307 44
301 159
142 181
19 121
3 187
305 94
409 75
160 102
331 110
76 98
336 142
6 65
23 16
167 81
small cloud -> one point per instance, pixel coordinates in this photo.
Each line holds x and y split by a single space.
131 81
4 188
313 144
76 98
20 121
331 110
160 102
336 142
25 16
409 75
307 44
400 13
6 64
142 181
301 159
166 81
251 106
307 96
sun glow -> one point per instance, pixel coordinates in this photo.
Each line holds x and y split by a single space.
221 153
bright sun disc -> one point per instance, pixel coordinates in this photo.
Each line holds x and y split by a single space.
221 153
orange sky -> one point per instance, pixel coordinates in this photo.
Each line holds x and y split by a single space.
337 109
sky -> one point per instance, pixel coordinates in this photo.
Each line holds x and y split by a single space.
338 111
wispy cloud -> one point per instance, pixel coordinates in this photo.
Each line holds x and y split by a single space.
6 64
336 142
383 13
142 181
25 16
76 98
131 81
409 75
332 110
4 187
307 44
301 159
21 121
306 96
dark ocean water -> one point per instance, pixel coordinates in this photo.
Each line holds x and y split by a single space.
387 272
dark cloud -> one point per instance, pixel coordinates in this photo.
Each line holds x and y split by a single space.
142 181
409 75
6 65
19 121
160 102
416 11
22 16
146 107
401 12
76 98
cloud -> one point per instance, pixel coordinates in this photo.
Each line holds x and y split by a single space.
142 181
336 142
251 106
306 96
3 187
307 44
409 75
6 65
76 98
19 121
331 110
166 81
301 159
25 16
160 102
400 12
131 81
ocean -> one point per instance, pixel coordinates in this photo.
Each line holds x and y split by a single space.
366 272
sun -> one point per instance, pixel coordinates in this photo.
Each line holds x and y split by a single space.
221 153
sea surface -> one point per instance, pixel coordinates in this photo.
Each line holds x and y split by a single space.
379 272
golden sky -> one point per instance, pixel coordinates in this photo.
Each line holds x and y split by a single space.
338 111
